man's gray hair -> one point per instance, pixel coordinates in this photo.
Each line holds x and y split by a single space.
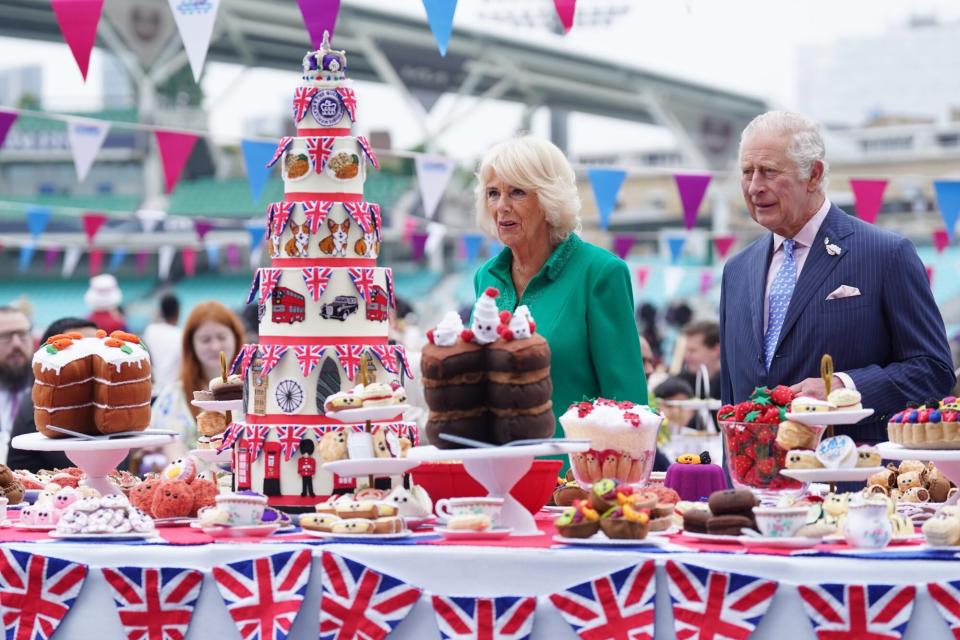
806 143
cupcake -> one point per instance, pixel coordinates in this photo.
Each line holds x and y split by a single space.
578 521
625 523
942 531
603 494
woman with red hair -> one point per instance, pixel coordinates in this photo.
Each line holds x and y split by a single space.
210 329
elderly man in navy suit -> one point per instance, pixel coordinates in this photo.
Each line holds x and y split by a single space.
822 282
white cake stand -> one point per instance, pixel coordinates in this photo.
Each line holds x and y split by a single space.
359 467
368 414
96 458
498 469
219 406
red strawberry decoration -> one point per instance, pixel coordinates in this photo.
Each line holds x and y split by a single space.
741 466
726 411
632 418
923 415
467 335
741 411
493 292
765 467
583 409
782 395
505 317
430 335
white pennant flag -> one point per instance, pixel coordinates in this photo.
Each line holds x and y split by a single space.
86 137
150 218
195 22
71 258
433 174
165 260
672 276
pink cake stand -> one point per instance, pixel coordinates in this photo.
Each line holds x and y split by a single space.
947 460
498 469
96 458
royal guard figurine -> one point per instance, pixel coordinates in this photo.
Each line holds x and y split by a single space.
307 467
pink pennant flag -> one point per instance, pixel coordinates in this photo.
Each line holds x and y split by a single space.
622 245
92 223
7 118
941 240
141 263
78 22
202 227
930 274
189 255
692 188
95 262
565 10
233 256
723 245
706 281
319 16
175 148
867 198
409 227
50 258
418 241
642 274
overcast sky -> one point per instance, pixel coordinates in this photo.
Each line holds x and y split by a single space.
742 45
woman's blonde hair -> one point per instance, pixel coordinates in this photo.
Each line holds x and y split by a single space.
537 165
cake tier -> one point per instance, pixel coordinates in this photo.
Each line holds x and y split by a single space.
324 107
283 383
331 302
324 230
325 168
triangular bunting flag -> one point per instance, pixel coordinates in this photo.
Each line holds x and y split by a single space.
440 17
264 595
235 431
95 262
78 23
856 611
723 245
565 12
362 278
256 154
150 218
708 603
154 604
7 118
254 286
26 256
116 258
472 243
165 257
316 279
948 201
675 244
618 605
189 257
349 357
385 355
606 185
270 355
622 245
868 198
285 142
692 188
50 258
37 592
141 262
643 272
315 212
359 602
941 240
175 148
418 241
319 150
290 437
86 137
308 357
401 355
92 223
37 220
233 256
706 281
672 277
195 23
503 618
203 227
319 17
71 258
433 176
368 151
213 255
269 279
946 595
257 231
256 438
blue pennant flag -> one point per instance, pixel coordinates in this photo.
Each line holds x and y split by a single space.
37 220
948 201
257 231
440 16
606 185
116 258
213 255
26 255
676 247
256 155
494 247
472 243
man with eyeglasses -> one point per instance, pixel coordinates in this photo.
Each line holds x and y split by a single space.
16 351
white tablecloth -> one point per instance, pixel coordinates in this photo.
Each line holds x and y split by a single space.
478 571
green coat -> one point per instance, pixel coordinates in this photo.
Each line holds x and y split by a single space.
582 302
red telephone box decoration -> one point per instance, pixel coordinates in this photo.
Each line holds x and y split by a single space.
241 464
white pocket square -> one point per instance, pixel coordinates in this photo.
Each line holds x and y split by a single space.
843 291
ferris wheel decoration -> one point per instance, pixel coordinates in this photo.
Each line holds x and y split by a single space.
289 395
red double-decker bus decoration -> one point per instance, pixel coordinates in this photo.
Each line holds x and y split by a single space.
288 306
378 306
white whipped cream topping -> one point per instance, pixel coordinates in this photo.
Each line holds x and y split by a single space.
447 332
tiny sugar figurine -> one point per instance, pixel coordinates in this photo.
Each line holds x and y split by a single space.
307 467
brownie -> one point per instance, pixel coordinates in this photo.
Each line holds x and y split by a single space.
729 525
732 502
695 520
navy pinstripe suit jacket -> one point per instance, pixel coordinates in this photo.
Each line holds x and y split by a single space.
890 339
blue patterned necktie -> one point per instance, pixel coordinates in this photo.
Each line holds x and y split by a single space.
780 293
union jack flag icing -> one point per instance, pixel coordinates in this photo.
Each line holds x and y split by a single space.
36 592
281 147
362 214
234 431
360 603
391 296
349 357
505 618
308 356
264 595
319 150
401 355
385 355
316 212
946 595
254 286
349 100
363 280
271 356
290 437
618 606
302 98
316 279
715 604
858 612
249 352
368 150
154 604
256 437
269 279
281 216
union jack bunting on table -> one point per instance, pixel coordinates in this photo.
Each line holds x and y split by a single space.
858 612
358 603
36 592
281 147
946 595
234 431
154 604
264 595
254 286
269 279
716 604
308 356
256 437
618 606
504 618
302 97
316 213
271 354
363 280
316 279
349 100
349 357
281 216
319 150
368 150
290 437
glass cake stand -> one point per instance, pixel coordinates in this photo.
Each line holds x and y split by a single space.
96 457
498 469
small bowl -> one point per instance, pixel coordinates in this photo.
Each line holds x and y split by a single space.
780 522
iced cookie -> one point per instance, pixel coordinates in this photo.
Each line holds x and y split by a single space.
838 452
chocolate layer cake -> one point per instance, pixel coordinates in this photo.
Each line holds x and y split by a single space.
454 386
519 388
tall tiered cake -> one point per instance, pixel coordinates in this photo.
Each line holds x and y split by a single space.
323 304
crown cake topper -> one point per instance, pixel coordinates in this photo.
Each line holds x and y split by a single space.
325 63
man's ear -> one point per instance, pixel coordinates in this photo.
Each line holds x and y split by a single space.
816 175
